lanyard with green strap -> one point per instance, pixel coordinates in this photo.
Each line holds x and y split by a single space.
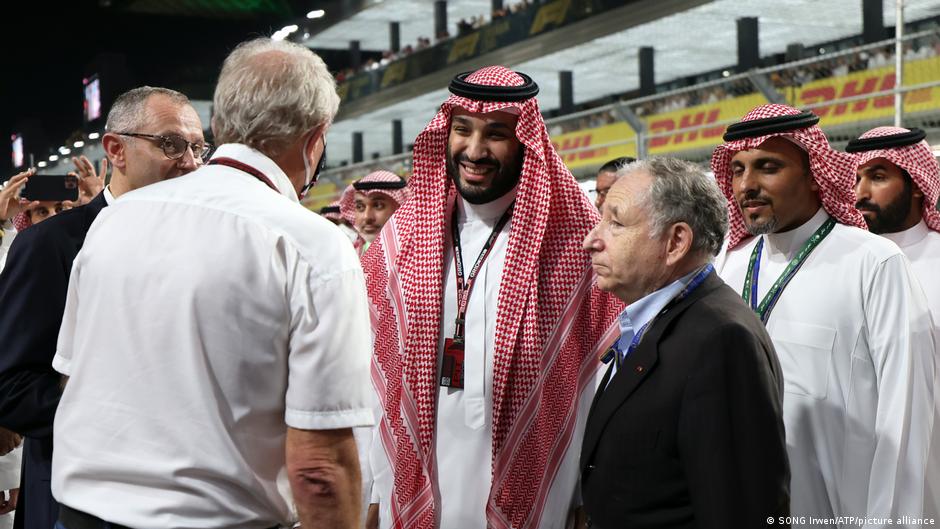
749 293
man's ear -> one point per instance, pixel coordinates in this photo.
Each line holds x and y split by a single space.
318 133
678 242
115 150
812 182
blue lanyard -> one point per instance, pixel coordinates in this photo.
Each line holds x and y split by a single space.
615 354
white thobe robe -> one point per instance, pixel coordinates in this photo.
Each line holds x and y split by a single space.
921 245
853 334
464 436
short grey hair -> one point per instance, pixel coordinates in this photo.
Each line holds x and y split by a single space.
129 111
270 93
682 192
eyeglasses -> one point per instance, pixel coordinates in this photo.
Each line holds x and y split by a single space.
175 146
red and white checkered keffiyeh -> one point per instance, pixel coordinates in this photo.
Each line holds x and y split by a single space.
347 204
833 171
347 211
551 322
21 221
348 199
919 162
334 215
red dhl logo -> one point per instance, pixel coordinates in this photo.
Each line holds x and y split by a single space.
697 119
858 87
578 142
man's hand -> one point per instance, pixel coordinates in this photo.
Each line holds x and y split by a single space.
10 202
8 500
8 441
90 182
323 469
372 517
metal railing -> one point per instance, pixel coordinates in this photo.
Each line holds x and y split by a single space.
852 90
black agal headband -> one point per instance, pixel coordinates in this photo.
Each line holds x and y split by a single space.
762 127
371 186
329 209
460 87
901 139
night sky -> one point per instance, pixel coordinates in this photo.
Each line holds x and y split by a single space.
52 46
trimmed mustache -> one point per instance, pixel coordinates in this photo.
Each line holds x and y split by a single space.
754 198
492 162
865 205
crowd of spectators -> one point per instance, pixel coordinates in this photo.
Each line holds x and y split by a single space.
786 78
464 27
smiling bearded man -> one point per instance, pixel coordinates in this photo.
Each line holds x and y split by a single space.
488 326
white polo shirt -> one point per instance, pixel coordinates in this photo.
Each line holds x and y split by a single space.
205 314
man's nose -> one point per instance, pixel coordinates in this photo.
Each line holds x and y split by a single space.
477 148
591 242
188 161
862 189
746 181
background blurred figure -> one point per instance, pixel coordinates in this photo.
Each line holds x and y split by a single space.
34 283
606 176
234 359
373 200
11 205
896 188
333 213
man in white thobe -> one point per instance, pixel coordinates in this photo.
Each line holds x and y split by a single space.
487 327
896 189
847 317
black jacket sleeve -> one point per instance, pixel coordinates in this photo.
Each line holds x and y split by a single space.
33 287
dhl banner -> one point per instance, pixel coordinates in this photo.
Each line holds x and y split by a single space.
867 82
699 117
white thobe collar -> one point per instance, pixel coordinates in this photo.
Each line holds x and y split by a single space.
261 162
910 236
489 212
785 244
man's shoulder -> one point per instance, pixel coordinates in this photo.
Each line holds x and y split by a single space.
257 208
932 239
853 243
720 305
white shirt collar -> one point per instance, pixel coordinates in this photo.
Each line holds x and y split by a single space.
261 162
788 242
910 236
108 197
489 212
643 310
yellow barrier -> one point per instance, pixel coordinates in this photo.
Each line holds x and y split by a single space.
854 84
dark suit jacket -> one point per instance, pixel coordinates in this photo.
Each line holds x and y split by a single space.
689 433
33 287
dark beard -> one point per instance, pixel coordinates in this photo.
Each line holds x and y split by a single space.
505 180
889 219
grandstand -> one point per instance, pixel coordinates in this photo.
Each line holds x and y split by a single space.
618 77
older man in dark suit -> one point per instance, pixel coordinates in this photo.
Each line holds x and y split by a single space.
686 428
153 134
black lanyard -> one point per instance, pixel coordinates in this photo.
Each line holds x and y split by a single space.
243 167
464 287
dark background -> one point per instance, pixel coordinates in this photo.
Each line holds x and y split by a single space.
180 44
